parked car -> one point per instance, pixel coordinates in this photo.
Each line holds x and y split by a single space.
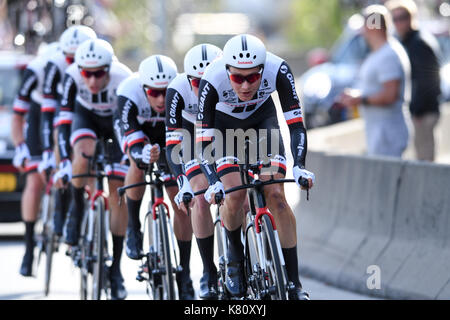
12 65
322 83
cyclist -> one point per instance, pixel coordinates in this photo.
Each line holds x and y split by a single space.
28 144
55 69
182 109
87 106
141 120
235 93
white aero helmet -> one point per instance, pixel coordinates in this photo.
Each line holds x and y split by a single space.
199 57
157 71
244 51
94 53
72 37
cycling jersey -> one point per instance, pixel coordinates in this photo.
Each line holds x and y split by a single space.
217 97
32 85
139 123
78 98
28 103
182 107
52 91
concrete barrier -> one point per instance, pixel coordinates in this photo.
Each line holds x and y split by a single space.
387 213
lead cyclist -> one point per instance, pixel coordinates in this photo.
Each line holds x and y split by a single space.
235 93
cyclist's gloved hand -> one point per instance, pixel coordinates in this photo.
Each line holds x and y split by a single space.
150 153
65 170
47 162
214 189
185 189
305 174
21 154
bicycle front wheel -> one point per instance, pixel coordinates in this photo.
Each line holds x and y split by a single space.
276 284
166 259
99 239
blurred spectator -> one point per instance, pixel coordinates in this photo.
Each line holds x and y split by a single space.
6 32
382 87
423 53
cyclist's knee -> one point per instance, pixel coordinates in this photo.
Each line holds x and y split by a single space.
277 200
235 200
34 183
201 205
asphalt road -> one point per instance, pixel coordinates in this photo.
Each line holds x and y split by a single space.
65 277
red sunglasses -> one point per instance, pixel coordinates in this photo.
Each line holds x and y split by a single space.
97 74
155 93
70 60
251 78
195 82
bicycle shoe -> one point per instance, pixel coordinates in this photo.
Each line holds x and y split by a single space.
185 289
134 244
234 279
27 265
71 229
118 291
208 286
298 294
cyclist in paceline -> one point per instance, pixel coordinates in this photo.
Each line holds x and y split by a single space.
235 94
87 106
181 113
141 122
27 115
55 69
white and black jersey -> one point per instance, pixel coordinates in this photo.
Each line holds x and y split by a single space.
75 92
220 108
28 104
32 85
82 113
138 123
181 113
52 92
137 118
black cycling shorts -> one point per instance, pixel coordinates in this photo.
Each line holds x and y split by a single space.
88 125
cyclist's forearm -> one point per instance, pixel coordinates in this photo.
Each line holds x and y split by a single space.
175 164
17 124
210 173
64 141
299 145
47 130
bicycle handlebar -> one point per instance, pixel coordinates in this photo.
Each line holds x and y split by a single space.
247 186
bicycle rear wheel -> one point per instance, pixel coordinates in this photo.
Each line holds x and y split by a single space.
277 287
165 256
98 249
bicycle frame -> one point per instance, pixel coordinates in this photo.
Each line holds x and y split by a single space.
96 164
155 186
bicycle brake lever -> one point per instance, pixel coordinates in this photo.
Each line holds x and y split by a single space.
305 183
